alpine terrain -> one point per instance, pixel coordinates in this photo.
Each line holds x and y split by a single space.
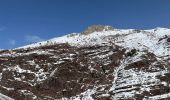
101 63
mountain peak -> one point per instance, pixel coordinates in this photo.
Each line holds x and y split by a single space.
97 28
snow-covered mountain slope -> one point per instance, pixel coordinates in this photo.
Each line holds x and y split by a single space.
155 40
101 63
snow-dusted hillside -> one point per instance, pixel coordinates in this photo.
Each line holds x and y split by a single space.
101 63
154 40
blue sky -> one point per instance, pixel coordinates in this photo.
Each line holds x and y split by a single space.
26 21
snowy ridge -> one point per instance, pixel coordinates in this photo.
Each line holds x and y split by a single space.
129 38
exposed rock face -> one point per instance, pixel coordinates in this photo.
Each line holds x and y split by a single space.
116 65
58 71
97 28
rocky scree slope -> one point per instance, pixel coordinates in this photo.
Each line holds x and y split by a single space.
101 63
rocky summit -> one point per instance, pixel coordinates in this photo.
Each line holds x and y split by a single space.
101 63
